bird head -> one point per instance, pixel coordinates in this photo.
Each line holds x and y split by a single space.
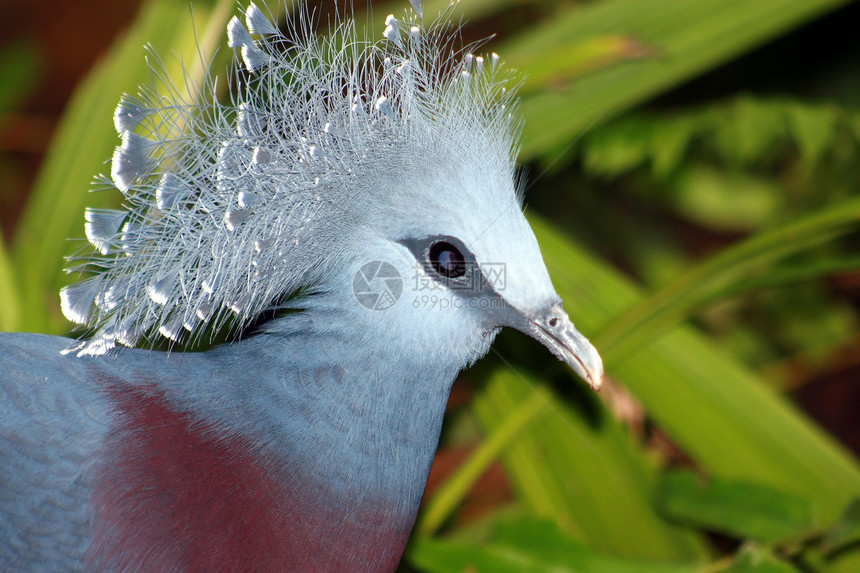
341 165
451 258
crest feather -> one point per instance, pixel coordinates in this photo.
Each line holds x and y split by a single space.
232 207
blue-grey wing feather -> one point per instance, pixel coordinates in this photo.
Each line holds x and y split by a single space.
52 423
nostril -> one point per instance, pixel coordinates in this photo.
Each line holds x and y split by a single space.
553 322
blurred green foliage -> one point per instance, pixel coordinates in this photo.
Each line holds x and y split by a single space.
694 238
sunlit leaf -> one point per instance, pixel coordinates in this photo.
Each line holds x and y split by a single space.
83 142
739 509
688 37
10 304
716 410
527 546
577 465
725 201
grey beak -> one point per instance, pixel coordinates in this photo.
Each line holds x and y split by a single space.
554 330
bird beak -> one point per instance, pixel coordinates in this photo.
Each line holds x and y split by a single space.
553 329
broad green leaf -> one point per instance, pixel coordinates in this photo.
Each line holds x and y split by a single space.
546 540
444 501
577 465
749 129
685 38
738 509
669 144
724 201
787 274
615 151
814 128
716 410
846 531
10 304
577 58
85 140
642 322
527 546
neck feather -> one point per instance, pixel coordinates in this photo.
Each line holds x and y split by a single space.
293 433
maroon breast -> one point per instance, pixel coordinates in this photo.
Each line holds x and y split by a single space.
176 493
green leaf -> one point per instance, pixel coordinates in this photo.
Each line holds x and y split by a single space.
739 509
85 139
455 488
814 128
788 274
577 58
669 144
718 412
577 465
687 38
749 128
10 304
726 201
527 546
758 560
618 150
846 531
744 131
642 323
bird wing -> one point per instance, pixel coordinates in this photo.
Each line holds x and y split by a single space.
52 424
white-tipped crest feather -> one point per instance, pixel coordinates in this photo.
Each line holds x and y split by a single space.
232 207
257 22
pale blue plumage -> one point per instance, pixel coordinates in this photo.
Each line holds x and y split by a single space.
333 154
300 391
231 207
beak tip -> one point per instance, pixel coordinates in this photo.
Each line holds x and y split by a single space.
588 363
591 370
553 329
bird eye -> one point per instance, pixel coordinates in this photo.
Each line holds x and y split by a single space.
447 260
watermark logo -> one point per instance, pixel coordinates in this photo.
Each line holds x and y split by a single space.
377 285
489 277
496 275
